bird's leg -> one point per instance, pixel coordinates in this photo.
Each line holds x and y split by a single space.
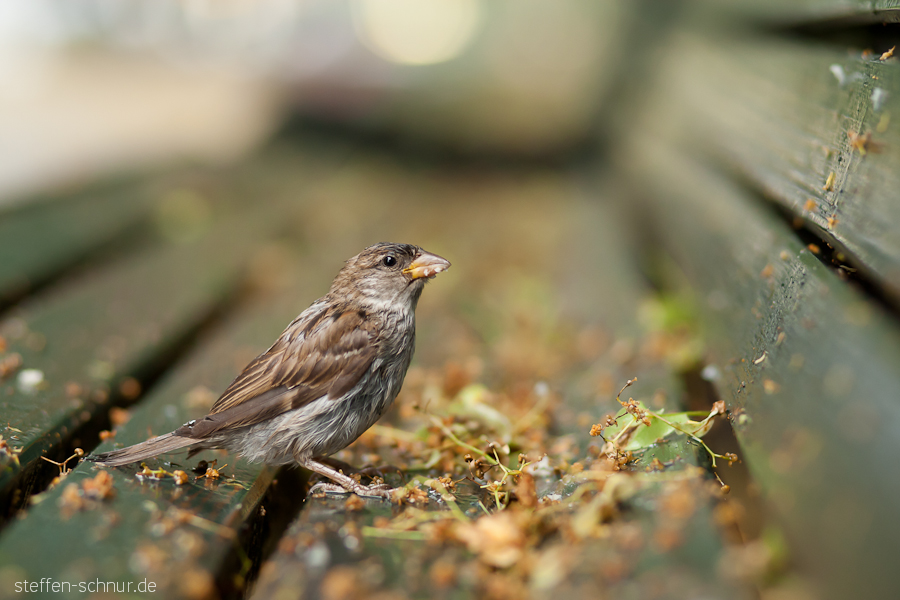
345 483
336 464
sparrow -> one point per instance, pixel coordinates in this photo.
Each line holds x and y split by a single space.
328 377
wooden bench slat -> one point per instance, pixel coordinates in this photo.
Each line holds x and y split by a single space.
808 369
38 240
138 534
775 112
85 338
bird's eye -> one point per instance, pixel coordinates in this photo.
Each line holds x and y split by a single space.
389 261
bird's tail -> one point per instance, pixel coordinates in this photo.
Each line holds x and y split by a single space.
148 449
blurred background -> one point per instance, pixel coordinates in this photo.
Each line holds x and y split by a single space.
93 86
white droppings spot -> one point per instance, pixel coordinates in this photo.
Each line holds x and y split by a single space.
839 74
710 373
30 380
351 542
318 556
541 388
879 97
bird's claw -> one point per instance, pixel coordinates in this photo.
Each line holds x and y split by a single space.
326 488
381 490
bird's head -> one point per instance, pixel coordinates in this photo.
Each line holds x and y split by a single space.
388 276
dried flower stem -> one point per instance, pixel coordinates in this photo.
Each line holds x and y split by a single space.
459 442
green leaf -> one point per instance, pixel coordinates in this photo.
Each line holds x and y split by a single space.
633 435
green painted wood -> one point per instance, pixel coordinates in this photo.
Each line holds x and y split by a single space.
808 368
636 560
39 240
178 537
775 112
85 337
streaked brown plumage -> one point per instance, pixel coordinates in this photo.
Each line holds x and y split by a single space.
330 375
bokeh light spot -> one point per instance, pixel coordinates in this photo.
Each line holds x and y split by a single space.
416 32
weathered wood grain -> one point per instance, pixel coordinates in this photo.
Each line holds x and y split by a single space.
176 536
776 112
808 368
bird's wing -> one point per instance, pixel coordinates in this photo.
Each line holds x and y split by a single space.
324 354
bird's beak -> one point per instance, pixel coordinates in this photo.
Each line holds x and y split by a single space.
426 265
